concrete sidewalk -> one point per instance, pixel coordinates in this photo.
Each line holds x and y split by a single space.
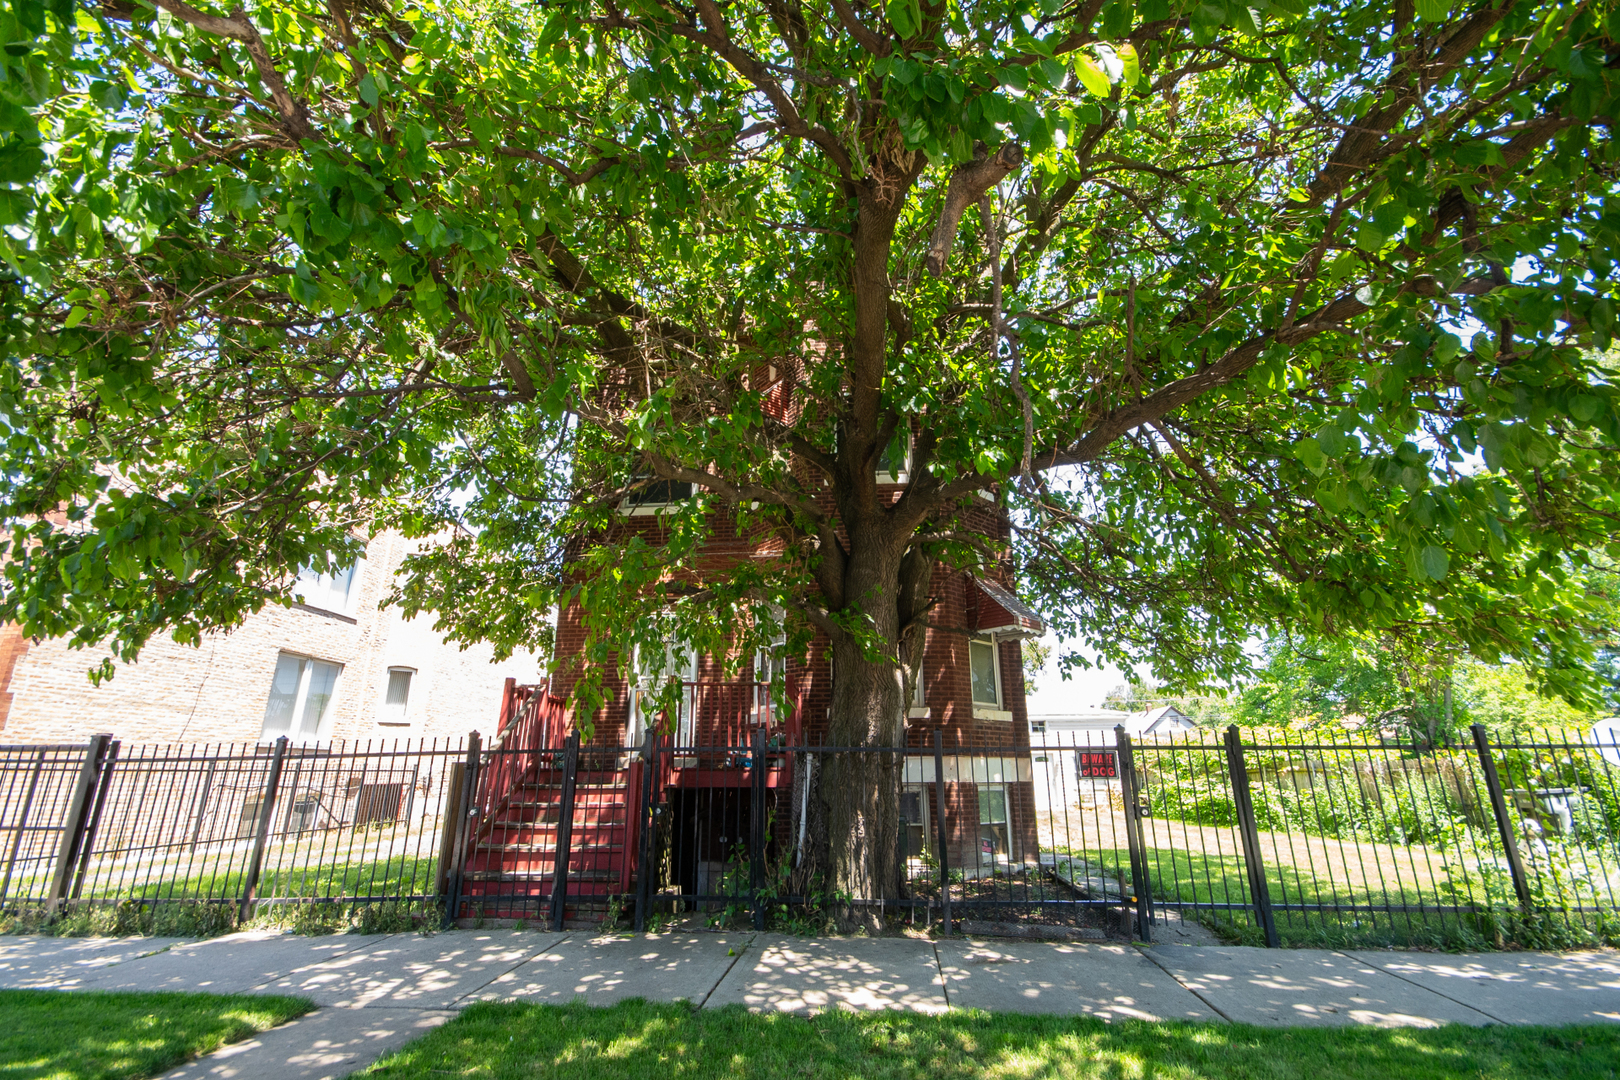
379 992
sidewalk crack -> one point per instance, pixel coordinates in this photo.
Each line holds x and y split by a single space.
749 944
456 1003
944 983
1216 1009
1410 982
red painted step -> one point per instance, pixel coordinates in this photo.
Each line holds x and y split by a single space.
510 870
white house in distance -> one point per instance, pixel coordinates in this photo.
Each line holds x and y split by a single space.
1073 752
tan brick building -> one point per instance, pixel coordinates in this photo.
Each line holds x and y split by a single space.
337 667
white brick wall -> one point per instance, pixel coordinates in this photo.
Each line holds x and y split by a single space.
217 692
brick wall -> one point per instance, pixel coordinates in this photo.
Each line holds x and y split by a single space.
217 692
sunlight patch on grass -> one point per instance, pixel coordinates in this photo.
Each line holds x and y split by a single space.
88 1035
642 1041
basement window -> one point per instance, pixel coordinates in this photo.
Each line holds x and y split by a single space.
914 822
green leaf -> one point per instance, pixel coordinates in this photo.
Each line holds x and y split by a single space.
1433 10
1244 18
1091 75
1434 561
1133 65
1309 453
904 16
74 318
368 90
1446 346
20 162
1585 407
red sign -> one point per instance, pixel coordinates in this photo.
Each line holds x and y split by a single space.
1099 764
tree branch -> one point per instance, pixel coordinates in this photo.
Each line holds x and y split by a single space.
238 27
968 183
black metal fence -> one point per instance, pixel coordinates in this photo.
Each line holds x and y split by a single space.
239 825
1282 839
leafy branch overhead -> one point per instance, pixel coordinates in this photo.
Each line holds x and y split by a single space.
1269 313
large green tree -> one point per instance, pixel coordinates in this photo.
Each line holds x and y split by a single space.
1252 313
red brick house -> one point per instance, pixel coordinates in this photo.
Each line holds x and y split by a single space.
971 693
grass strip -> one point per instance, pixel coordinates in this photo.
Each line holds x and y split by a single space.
93 1035
638 1039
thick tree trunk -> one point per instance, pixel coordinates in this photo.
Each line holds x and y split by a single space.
860 791
857 823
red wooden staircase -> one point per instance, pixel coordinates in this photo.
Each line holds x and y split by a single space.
537 806
516 820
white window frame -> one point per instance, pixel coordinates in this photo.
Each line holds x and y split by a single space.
918 709
925 807
322 586
904 475
995 660
384 717
629 508
1005 822
295 723
643 682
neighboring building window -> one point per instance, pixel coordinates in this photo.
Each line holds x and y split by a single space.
894 463
918 699
339 592
397 697
914 822
986 668
300 695
1037 727
655 496
993 832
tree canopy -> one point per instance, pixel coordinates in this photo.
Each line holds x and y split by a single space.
1248 314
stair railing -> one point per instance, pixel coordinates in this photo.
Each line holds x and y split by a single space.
534 728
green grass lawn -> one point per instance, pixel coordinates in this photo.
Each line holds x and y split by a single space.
1200 877
86 1035
641 1041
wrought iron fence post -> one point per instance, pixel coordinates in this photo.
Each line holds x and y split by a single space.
465 831
649 765
565 833
1504 825
1259 890
939 830
75 821
95 819
261 835
756 829
1132 797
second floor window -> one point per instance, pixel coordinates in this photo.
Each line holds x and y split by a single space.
986 669
656 495
338 592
